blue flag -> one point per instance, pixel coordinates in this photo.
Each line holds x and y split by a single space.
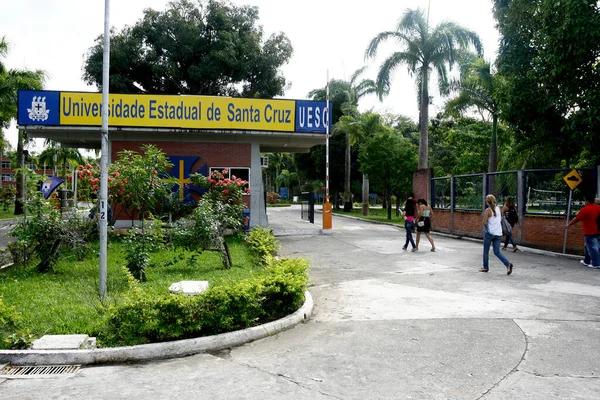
49 185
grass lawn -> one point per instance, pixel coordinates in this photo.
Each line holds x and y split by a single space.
375 214
10 213
66 300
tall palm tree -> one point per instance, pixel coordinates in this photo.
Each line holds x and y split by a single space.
351 92
422 49
477 89
11 81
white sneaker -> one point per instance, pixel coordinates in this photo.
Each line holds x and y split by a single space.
583 263
594 266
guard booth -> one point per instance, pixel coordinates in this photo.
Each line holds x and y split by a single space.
198 133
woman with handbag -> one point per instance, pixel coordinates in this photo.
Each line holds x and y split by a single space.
492 234
409 221
425 213
511 218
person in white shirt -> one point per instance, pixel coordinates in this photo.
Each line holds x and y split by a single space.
492 234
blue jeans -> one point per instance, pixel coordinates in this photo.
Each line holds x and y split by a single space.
409 226
495 242
591 244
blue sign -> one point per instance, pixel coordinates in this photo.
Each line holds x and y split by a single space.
283 193
38 107
312 116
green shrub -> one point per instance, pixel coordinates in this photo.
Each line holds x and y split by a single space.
10 322
147 319
262 242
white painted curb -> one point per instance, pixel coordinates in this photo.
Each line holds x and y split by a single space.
154 351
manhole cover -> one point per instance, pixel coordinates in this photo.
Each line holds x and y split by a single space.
23 371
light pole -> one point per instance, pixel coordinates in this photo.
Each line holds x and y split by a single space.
103 201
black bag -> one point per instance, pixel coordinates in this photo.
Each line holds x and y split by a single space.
512 216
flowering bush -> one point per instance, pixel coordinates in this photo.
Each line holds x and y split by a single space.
273 198
219 209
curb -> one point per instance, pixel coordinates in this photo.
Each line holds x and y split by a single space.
460 237
157 351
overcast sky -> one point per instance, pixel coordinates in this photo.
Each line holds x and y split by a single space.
327 35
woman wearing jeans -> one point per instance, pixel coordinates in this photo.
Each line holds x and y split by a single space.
492 234
409 220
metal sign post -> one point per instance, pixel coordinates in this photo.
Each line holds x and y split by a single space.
572 179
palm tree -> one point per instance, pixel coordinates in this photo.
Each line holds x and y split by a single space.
11 81
358 129
351 92
57 155
477 88
422 49
287 179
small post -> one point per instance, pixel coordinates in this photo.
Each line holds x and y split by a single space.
567 226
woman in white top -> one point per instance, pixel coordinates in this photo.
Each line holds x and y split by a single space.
492 234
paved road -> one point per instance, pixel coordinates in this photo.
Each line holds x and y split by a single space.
389 324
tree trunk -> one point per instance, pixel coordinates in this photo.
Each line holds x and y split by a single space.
493 158
424 123
347 165
19 201
365 195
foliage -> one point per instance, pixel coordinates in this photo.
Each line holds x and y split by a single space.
7 197
461 145
220 208
10 321
262 242
206 47
390 161
11 81
422 49
478 88
146 319
551 70
138 247
287 179
133 173
273 198
57 155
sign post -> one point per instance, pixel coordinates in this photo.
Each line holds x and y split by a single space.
572 179
327 207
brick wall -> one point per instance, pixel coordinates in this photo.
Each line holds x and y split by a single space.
541 232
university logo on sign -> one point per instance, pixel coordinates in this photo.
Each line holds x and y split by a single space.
38 107
38 111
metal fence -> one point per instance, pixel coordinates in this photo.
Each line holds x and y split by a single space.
536 192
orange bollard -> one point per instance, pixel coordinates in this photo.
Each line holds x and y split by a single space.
327 214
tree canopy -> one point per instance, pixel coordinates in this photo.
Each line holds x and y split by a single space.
549 54
205 47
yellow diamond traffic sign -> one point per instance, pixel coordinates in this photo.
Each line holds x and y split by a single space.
573 179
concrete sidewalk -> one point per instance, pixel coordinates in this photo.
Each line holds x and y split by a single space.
389 324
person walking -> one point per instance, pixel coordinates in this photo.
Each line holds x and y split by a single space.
409 220
509 211
589 216
586 255
492 234
424 216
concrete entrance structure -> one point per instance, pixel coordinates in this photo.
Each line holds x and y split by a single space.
221 132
